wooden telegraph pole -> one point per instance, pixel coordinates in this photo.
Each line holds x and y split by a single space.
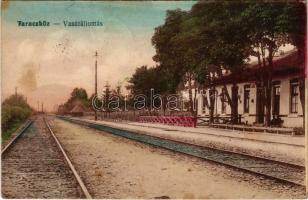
95 82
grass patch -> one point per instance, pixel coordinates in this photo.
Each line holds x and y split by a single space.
8 133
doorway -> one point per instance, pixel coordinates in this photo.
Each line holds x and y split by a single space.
260 105
276 101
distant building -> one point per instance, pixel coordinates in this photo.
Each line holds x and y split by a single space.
77 111
286 104
61 110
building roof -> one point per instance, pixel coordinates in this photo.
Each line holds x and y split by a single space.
287 65
77 109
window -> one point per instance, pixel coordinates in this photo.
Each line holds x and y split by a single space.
294 97
276 90
246 98
223 100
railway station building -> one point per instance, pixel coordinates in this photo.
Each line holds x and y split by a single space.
286 103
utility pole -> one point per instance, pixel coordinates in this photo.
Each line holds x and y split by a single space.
42 107
16 91
38 106
106 99
95 82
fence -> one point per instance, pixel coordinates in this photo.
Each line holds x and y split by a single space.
134 115
170 120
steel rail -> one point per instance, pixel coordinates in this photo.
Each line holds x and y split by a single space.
227 151
79 180
110 129
26 126
199 146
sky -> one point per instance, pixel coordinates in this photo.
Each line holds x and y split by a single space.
46 63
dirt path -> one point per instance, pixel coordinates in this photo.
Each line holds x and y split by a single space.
114 167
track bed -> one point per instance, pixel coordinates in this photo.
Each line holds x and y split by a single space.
276 170
33 167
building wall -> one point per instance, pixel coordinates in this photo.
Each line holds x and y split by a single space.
200 105
219 102
250 117
285 97
290 119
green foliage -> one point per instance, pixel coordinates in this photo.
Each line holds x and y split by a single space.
106 96
271 25
225 34
145 79
169 52
6 134
98 101
222 35
192 42
15 111
78 96
16 100
293 22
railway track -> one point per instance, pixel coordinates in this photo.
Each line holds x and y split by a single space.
34 165
275 170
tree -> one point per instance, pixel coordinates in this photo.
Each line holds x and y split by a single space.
106 98
16 100
15 110
176 39
231 31
269 28
167 54
223 41
190 42
78 95
144 79
220 36
294 20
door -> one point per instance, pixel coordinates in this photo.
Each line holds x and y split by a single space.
260 105
276 101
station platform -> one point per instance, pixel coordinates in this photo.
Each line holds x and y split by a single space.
286 148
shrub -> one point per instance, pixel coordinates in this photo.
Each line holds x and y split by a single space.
15 110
